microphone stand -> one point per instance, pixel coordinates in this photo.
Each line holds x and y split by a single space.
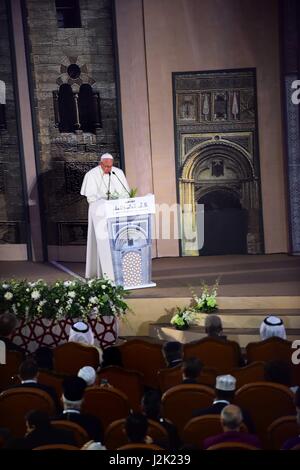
114 173
108 189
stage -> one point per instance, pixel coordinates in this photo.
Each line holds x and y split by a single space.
251 286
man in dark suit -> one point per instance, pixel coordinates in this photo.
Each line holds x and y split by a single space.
28 374
40 432
224 389
73 391
173 353
191 370
231 420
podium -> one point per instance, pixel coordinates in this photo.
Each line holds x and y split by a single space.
129 227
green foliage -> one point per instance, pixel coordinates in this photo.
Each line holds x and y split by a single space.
63 299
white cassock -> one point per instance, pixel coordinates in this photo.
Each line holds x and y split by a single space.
95 186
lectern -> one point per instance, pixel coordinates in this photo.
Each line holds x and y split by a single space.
129 226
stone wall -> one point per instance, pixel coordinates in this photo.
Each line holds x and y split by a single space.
12 217
65 157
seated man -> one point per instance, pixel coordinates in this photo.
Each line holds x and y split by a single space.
231 420
191 370
225 389
214 327
73 391
28 374
272 326
173 353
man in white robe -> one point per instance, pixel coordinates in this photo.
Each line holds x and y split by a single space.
100 184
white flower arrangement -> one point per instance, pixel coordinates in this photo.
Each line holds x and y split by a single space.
72 299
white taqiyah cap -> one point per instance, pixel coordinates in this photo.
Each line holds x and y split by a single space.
227 383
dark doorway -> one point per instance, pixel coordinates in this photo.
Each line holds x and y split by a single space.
225 224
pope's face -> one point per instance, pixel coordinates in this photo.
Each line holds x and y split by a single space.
106 165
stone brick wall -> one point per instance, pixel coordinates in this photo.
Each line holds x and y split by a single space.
12 218
65 157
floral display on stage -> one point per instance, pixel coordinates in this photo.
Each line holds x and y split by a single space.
63 299
46 312
206 302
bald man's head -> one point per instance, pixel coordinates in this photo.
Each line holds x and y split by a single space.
231 418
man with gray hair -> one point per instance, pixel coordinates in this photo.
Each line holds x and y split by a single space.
101 183
213 326
231 421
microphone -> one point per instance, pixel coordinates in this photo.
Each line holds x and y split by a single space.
114 173
108 189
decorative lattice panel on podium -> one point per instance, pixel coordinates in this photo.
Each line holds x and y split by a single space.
132 268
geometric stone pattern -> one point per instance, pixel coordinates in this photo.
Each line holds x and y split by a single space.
51 333
215 119
132 268
66 156
293 154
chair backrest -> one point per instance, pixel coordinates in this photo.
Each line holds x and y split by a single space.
106 403
179 402
80 434
115 435
52 379
201 427
144 357
218 354
70 357
232 446
56 447
15 403
269 350
265 402
254 372
128 381
134 446
172 376
281 430
9 370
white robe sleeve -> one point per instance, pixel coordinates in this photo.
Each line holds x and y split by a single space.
89 188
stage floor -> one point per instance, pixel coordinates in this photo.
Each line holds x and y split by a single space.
240 275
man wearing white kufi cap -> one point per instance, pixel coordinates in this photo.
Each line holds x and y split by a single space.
272 326
100 184
88 374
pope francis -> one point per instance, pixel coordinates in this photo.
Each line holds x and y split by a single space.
102 183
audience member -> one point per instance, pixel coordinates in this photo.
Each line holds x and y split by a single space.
92 445
73 391
231 420
173 353
28 374
214 327
81 333
151 407
272 326
191 369
112 357
136 427
40 431
88 374
278 371
225 390
8 323
44 358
